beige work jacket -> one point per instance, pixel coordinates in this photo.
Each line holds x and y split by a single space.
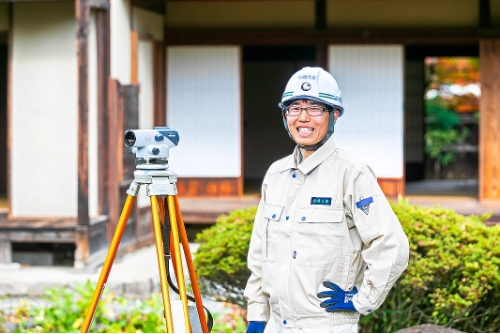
324 219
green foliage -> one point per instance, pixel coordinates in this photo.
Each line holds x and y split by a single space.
233 321
220 261
441 131
453 277
437 143
65 310
3 321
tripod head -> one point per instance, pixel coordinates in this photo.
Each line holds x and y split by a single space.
151 147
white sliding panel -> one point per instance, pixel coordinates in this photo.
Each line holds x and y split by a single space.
203 104
371 80
44 99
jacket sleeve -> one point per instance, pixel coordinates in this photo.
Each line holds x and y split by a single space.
386 247
258 302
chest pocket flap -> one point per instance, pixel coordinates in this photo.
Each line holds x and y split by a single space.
273 212
317 215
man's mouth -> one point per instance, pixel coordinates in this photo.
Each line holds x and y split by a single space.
305 131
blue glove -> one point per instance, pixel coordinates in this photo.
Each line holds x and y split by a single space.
256 327
340 300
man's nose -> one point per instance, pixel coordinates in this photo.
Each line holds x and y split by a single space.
303 114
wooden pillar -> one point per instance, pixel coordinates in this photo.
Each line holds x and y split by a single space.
160 115
134 46
82 13
489 127
103 73
115 152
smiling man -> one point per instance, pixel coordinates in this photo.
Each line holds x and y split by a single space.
326 245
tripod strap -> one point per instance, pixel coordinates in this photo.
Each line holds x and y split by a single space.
210 320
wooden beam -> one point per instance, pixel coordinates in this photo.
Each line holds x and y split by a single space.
103 73
326 36
82 13
12 1
489 124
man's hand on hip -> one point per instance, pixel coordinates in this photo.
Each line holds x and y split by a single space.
339 300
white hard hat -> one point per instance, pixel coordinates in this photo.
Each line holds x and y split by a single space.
313 83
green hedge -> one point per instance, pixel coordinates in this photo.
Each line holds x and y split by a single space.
452 278
220 261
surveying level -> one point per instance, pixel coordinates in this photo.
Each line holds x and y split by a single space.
151 148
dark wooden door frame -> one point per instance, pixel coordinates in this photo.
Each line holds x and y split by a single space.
82 18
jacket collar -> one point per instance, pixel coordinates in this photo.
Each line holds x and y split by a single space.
315 159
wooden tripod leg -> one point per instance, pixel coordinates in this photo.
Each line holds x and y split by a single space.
189 261
167 309
106 268
176 253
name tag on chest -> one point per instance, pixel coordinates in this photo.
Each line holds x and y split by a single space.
321 201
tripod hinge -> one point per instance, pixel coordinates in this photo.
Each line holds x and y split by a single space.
133 189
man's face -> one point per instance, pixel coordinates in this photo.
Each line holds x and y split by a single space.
308 130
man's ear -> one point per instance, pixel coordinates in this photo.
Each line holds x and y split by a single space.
336 115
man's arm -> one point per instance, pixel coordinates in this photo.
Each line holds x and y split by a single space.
258 302
387 248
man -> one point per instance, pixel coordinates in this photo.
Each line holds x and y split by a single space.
326 245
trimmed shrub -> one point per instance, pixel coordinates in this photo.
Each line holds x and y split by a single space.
452 278
221 259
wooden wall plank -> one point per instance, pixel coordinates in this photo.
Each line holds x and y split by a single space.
392 187
489 127
209 187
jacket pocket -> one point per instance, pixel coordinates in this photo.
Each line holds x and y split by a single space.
272 216
319 236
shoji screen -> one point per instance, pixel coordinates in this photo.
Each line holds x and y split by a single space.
203 104
371 80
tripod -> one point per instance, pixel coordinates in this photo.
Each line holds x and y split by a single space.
162 191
